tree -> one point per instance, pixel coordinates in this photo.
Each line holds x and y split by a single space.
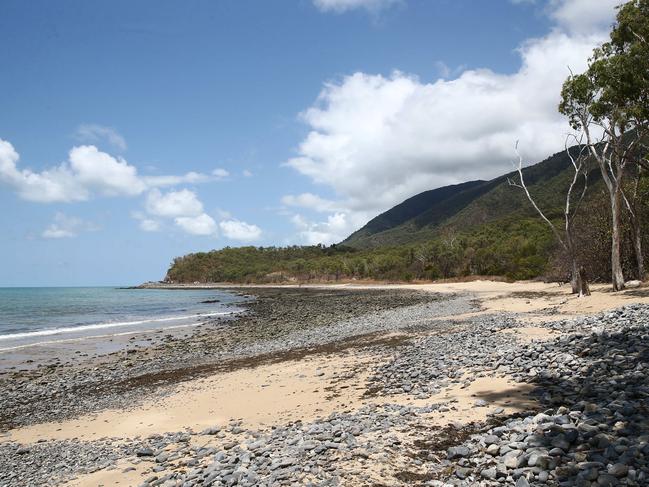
565 237
627 90
608 103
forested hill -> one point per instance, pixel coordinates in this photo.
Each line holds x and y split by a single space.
474 228
465 207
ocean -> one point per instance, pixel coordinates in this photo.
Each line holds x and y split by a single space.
39 314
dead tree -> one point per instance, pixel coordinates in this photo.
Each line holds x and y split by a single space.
565 237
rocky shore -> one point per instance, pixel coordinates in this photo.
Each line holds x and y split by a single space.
277 322
447 395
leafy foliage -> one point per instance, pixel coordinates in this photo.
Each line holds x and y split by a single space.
516 249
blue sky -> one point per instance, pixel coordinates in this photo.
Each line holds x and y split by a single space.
133 132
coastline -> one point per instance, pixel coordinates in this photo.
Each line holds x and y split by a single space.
298 355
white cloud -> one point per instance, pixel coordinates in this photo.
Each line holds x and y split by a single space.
335 228
377 140
149 225
202 224
87 172
94 133
220 173
310 201
583 16
164 181
182 206
57 184
247 174
99 171
238 230
173 204
65 226
146 224
340 6
187 212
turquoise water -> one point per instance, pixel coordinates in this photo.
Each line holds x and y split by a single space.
33 315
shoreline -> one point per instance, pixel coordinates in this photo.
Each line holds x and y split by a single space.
419 357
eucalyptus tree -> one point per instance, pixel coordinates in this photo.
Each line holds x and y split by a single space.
608 104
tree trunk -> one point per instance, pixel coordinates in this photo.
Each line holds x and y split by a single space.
575 277
583 279
637 247
579 280
617 276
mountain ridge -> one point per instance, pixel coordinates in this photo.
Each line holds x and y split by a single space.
466 205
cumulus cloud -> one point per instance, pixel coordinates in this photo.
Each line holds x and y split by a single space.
94 133
583 16
173 203
183 207
87 172
377 140
333 229
310 201
238 230
186 211
202 224
65 226
247 174
340 6
98 171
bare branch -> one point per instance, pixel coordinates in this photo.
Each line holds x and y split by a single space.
523 186
578 165
638 36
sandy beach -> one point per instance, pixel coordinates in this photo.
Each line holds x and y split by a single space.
324 385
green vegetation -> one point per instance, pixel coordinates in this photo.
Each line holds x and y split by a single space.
478 228
516 249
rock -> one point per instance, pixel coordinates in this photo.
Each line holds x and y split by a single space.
511 459
493 450
462 472
213 430
606 480
489 473
491 439
522 482
618 470
457 452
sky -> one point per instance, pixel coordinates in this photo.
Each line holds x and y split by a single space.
135 132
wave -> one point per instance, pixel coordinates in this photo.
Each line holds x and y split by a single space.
99 326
